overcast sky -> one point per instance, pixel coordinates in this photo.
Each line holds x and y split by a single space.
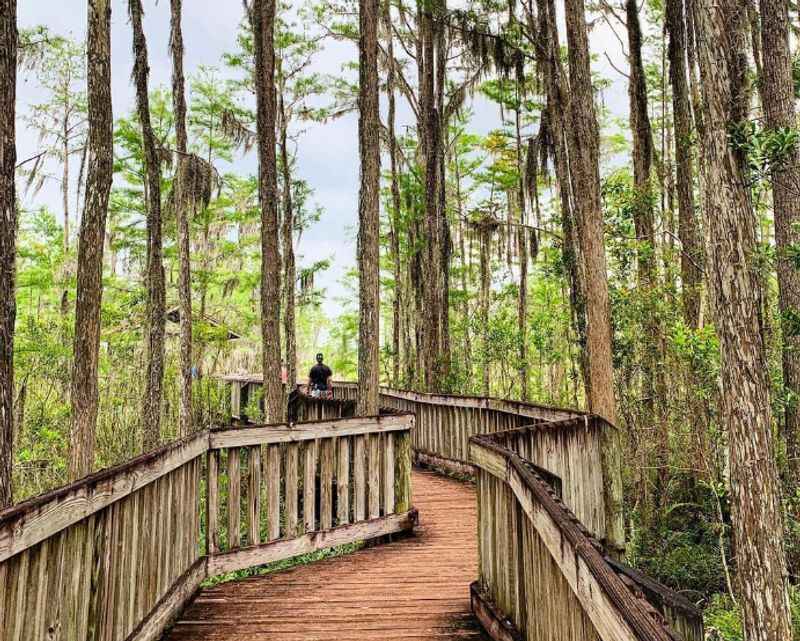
328 154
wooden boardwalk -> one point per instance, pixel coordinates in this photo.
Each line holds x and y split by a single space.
412 589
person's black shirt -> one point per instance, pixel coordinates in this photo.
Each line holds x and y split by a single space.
319 376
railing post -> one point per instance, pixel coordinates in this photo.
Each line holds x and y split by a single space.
402 471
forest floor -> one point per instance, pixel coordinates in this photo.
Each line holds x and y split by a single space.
414 588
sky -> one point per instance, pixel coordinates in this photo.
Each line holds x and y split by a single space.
327 153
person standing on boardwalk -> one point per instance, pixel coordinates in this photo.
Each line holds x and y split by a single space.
319 379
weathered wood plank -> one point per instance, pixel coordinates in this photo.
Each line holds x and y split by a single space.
171 604
133 569
388 474
273 492
212 503
292 488
326 484
32 521
254 497
402 467
310 486
234 499
310 542
374 474
245 437
343 481
21 600
493 621
602 610
489 460
359 478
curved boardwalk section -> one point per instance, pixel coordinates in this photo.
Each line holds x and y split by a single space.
412 589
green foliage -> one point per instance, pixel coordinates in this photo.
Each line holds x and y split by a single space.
723 618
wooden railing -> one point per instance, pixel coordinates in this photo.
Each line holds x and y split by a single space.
542 573
326 483
445 422
117 555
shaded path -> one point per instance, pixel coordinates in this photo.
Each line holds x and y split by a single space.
412 589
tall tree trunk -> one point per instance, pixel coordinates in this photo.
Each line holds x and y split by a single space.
445 241
468 366
182 211
263 18
485 234
65 184
584 145
653 389
691 255
86 352
156 293
549 57
289 267
522 250
368 210
8 236
432 266
777 97
756 507
395 190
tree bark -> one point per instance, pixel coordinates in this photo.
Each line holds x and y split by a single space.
465 310
395 191
652 411
8 236
583 139
522 251
756 508
692 254
777 98
549 57
432 144
485 233
263 18
156 292
65 182
182 211
289 267
369 129
84 393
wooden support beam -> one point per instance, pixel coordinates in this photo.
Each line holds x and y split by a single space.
310 542
245 437
170 605
498 626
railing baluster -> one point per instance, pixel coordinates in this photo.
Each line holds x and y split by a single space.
374 472
212 503
359 477
234 499
273 492
326 484
343 481
309 486
254 497
292 489
388 474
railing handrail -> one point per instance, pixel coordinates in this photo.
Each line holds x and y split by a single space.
31 521
36 519
459 400
521 476
221 438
